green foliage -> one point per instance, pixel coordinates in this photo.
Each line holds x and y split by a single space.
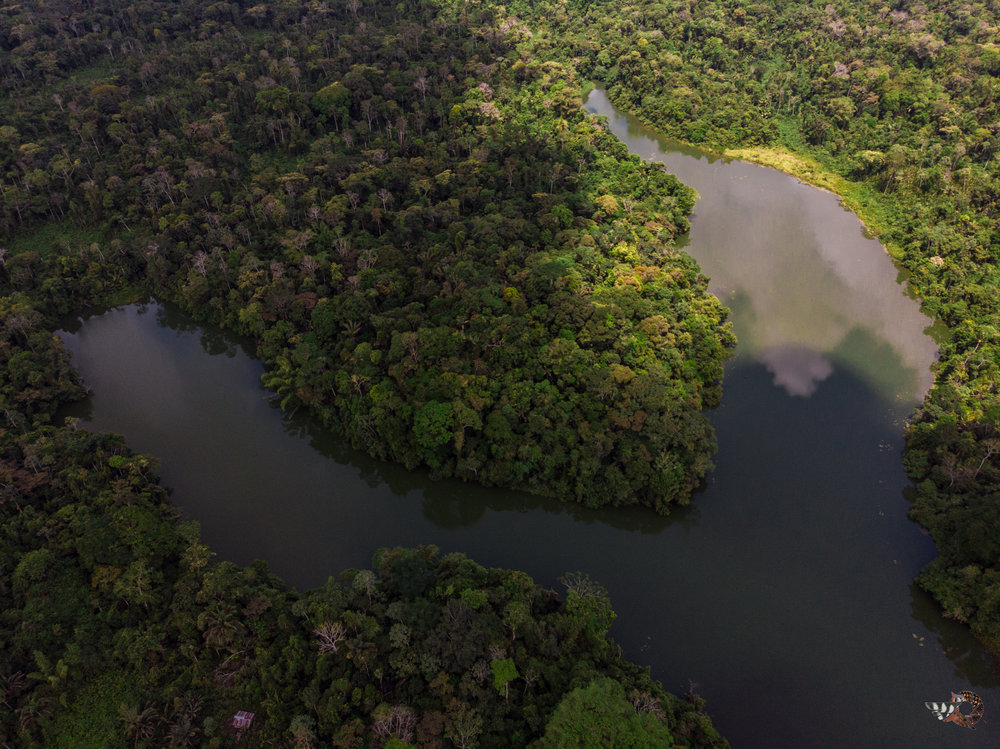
416 227
433 424
55 235
504 672
96 653
588 601
448 262
598 716
897 101
93 717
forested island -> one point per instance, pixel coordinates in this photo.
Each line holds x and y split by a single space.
448 263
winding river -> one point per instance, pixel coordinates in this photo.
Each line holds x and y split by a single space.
784 594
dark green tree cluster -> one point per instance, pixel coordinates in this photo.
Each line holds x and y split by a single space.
440 255
903 99
118 629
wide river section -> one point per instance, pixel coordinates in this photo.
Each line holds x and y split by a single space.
784 596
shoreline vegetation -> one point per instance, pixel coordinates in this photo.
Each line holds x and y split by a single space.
902 103
813 173
805 167
442 261
311 189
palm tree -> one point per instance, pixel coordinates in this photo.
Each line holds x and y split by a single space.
139 724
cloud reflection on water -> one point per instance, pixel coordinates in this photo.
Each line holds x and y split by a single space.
798 370
798 272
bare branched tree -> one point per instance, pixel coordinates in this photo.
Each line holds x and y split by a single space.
329 635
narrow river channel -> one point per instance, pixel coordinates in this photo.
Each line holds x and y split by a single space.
785 593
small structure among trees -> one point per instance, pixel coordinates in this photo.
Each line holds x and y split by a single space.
242 720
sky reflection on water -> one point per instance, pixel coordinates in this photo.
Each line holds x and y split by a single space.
805 276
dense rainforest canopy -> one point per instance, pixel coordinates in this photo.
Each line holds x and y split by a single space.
450 265
442 258
439 254
901 101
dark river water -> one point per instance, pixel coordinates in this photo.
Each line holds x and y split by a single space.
784 593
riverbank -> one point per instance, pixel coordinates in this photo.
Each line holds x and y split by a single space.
907 119
947 454
873 210
876 211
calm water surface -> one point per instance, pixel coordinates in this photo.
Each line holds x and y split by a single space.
785 593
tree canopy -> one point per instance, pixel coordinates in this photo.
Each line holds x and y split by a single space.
438 254
900 101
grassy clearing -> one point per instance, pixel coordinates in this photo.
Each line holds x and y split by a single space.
101 71
51 235
804 168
